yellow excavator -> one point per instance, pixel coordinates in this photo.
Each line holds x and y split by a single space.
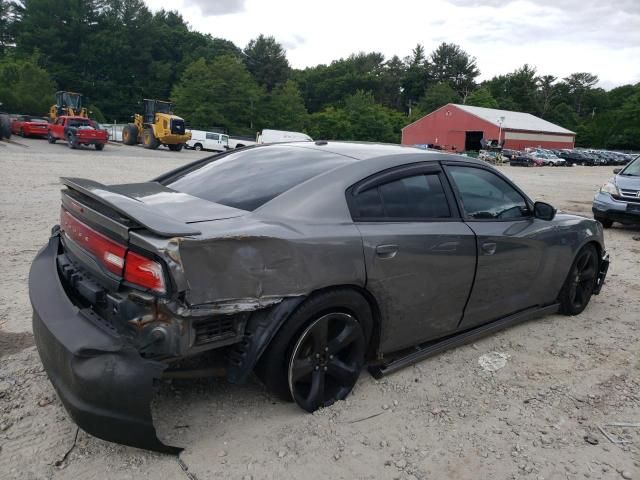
156 126
67 103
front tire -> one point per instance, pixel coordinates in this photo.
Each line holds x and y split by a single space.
606 222
316 357
578 287
149 140
99 146
50 138
175 148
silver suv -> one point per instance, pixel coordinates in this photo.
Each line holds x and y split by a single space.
618 200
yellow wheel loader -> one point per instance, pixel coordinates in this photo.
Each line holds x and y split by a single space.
156 126
67 103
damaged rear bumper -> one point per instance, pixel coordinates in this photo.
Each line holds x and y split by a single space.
103 382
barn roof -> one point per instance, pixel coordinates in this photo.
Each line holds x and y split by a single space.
514 120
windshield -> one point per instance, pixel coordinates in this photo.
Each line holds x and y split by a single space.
250 178
79 123
72 100
163 107
633 169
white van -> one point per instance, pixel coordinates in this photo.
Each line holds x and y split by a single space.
281 136
202 140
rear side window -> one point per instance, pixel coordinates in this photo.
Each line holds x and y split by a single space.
414 197
247 179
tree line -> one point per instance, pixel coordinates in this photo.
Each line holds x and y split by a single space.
117 52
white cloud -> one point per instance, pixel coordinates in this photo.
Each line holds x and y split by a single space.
557 36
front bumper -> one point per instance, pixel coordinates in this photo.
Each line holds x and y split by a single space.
605 206
104 384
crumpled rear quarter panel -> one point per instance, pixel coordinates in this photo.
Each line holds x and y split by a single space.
270 260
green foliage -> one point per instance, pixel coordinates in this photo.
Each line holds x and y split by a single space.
24 86
452 65
481 98
438 95
117 52
267 61
326 85
360 119
219 93
284 109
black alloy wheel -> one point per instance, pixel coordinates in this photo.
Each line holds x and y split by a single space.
581 281
326 361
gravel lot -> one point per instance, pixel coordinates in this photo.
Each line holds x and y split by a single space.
447 417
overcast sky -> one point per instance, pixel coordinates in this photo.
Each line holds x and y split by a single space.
556 36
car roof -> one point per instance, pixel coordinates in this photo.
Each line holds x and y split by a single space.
369 150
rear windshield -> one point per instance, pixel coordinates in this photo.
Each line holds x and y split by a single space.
248 179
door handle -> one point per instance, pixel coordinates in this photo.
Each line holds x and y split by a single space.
489 248
386 251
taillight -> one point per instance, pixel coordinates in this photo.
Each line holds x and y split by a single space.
146 273
108 252
133 267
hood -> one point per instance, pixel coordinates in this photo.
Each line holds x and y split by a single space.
627 182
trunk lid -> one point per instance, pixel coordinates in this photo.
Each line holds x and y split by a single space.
161 210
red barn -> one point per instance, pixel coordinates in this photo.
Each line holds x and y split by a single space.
462 127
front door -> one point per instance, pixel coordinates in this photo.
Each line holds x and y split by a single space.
420 257
512 253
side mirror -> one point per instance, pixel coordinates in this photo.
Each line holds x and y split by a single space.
543 211
617 170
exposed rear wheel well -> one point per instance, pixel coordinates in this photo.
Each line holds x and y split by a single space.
374 340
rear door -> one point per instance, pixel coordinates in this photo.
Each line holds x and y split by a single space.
513 255
420 256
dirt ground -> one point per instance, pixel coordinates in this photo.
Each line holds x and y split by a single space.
537 417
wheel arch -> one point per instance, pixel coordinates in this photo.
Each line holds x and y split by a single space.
263 326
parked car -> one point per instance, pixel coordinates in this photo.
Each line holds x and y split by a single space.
547 158
28 126
302 262
521 159
618 200
203 140
77 131
588 159
572 157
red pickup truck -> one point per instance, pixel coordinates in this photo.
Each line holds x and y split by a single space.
77 131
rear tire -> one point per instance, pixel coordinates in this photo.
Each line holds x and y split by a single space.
175 148
316 357
50 138
99 146
149 140
197 147
130 134
578 287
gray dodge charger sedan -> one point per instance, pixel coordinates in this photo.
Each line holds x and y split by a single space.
301 262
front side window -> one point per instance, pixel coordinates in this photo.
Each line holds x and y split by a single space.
415 197
487 196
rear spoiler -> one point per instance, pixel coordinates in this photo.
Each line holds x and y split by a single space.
130 207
